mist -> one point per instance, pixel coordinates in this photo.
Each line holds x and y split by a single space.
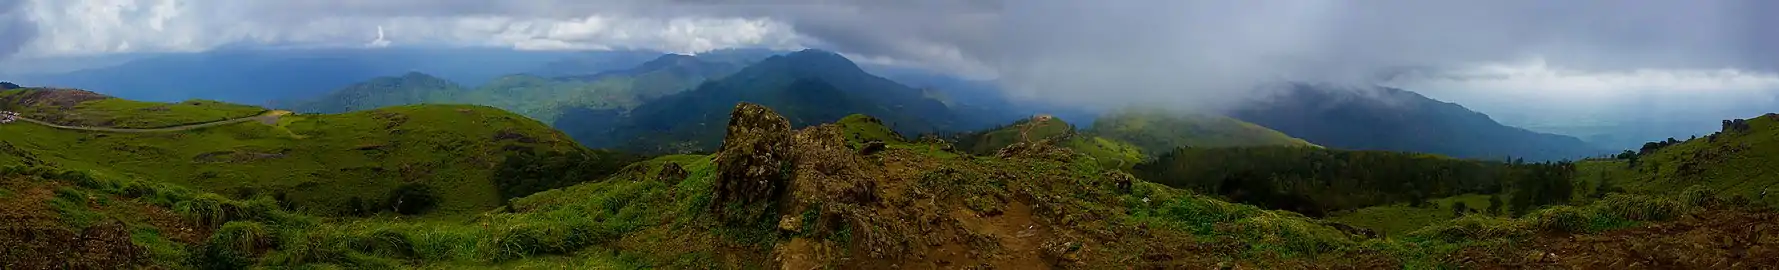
1208 55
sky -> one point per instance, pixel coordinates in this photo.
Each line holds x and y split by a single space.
1499 56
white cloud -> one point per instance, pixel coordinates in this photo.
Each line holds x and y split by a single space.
96 27
1536 78
1535 93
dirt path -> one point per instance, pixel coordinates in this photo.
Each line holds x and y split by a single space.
270 117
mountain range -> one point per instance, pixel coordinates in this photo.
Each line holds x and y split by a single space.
1399 120
672 103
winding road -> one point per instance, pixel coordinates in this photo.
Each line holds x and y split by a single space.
269 117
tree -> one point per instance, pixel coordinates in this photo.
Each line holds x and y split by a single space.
1494 204
1458 209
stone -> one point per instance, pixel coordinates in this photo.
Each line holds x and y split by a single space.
872 147
755 161
671 173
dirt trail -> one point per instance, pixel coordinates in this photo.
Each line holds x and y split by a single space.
270 117
1716 239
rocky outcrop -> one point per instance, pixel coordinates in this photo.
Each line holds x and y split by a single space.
1043 149
754 164
671 173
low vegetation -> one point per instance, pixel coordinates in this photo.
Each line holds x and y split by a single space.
475 187
322 164
72 107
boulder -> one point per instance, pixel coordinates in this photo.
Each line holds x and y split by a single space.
671 173
754 163
872 147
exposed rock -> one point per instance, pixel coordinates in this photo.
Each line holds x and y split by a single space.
1121 180
755 162
872 147
1037 150
790 224
827 170
671 173
509 134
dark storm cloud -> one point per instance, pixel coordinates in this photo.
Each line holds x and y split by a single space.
15 30
1206 53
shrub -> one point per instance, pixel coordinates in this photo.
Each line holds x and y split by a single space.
411 198
1563 218
234 246
1641 207
1472 227
1698 195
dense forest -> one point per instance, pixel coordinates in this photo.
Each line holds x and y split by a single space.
1316 181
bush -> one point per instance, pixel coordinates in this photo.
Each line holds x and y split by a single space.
1698 195
1563 218
411 198
234 246
1472 227
1641 207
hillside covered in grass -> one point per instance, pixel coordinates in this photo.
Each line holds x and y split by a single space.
326 164
1389 119
73 107
544 98
1158 131
845 195
1739 160
1045 129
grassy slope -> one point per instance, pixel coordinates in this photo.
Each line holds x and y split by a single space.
1108 152
1737 163
1401 219
123 113
319 161
1158 131
635 220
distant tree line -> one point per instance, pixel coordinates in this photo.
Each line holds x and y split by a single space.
1316 181
524 173
9 86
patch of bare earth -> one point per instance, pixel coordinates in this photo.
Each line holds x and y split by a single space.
34 237
1714 239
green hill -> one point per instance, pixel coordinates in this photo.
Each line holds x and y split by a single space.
327 164
410 88
1158 131
808 87
1044 129
1738 160
770 197
72 107
1392 119
546 99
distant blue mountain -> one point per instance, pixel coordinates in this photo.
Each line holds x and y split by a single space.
985 101
261 76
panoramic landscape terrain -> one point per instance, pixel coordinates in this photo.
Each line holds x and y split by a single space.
854 135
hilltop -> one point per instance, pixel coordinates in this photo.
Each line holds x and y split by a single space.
546 99
1392 119
327 164
1048 130
1739 160
74 107
1158 131
809 87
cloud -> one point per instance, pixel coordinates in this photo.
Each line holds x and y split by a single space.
15 30
1532 92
